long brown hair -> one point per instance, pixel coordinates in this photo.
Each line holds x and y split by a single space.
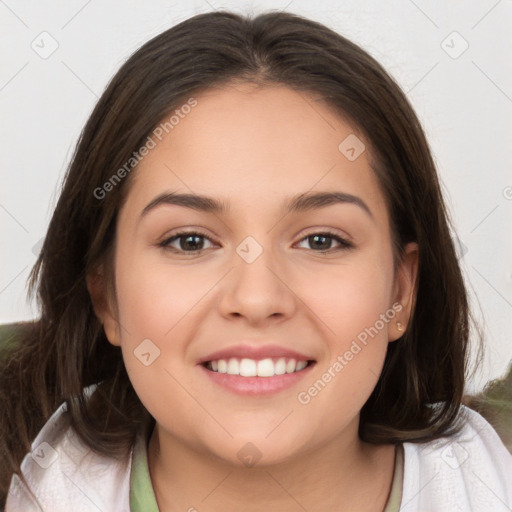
66 348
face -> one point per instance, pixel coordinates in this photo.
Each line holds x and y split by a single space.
259 279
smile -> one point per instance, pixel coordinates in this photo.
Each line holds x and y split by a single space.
252 377
246 367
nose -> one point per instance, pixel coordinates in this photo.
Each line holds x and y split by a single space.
258 290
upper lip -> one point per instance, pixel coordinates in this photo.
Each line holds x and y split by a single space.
253 352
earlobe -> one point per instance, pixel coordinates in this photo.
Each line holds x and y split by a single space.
102 307
405 289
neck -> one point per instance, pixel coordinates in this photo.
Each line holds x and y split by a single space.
343 474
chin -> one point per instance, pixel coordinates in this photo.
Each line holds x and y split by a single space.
257 451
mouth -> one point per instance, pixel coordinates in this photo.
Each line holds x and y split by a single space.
265 368
256 377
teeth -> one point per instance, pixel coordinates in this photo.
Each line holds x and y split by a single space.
251 368
301 365
265 368
280 366
248 368
223 366
233 367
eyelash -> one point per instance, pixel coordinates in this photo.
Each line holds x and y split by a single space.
345 244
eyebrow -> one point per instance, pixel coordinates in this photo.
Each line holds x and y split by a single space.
306 201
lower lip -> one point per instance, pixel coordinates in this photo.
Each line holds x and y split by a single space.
256 385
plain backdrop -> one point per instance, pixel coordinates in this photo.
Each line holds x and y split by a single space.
453 59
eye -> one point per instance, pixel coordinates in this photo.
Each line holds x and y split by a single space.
188 241
324 240
192 242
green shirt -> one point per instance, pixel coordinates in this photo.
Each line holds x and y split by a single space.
142 496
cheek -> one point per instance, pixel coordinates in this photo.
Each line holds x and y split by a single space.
157 302
154 296
353 304
149 307
351 297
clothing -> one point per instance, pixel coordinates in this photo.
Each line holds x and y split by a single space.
395 495
468 472
142 497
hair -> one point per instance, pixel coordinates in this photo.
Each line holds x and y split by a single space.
66 349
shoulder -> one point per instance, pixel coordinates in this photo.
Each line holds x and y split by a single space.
468 471
63 474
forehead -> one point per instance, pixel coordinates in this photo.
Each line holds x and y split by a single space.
252 146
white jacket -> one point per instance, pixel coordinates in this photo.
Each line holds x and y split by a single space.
469 472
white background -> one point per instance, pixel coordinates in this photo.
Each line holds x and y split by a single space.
465 105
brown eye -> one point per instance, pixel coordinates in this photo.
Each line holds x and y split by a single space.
188 242
322 242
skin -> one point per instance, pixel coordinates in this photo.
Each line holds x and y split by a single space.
255 147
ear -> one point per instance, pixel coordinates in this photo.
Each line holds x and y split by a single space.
103 305
404 291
